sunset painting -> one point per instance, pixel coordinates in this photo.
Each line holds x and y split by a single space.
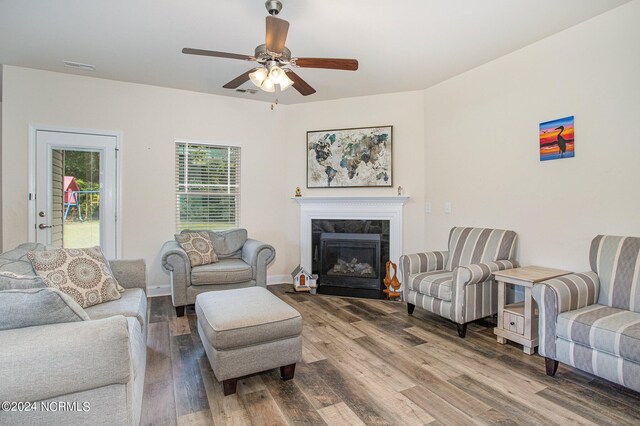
556 139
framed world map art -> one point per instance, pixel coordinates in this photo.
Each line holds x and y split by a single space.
347 158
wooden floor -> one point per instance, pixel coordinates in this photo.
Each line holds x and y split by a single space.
368 362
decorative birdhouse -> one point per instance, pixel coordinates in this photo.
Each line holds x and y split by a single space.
301 279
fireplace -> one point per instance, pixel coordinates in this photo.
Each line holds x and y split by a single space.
356 214
349 256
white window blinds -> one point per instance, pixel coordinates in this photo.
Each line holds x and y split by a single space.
207 186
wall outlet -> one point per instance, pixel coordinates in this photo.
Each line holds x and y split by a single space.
427 207
447 207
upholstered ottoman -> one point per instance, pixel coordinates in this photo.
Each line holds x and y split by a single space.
248 330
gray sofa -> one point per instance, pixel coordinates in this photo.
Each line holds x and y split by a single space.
243 263
94 364
591 320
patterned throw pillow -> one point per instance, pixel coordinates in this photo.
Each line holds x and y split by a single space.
198 247
83 274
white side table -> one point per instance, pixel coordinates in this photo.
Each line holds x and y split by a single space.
518 322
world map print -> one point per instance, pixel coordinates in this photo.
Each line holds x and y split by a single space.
349 157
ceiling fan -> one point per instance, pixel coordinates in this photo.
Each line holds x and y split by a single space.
273 56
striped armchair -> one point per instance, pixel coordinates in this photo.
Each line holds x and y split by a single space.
458 284
592 320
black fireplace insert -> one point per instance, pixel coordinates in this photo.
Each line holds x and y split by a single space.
350 264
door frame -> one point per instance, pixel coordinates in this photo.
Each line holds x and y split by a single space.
33 129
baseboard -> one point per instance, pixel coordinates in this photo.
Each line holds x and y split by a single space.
159 290
279 279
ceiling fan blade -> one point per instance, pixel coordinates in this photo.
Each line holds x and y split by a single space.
201 52
328 63
277 30
299 84
238 81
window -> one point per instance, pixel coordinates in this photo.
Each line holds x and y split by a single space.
207 186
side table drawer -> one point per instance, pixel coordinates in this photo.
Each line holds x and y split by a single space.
513 322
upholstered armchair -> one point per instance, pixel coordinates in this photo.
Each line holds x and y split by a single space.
242 262
458 283
591 320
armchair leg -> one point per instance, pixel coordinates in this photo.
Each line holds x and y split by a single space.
551 366
410 308
462 330
180 311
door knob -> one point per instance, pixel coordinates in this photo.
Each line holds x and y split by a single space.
43 226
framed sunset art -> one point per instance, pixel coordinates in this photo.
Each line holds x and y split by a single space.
557 139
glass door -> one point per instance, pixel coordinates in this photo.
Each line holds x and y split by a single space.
75 195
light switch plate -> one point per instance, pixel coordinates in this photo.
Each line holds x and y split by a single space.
427 207
447 207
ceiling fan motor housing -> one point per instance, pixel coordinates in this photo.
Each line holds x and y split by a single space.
262 55
273 7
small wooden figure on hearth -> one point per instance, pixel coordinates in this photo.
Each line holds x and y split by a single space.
392 284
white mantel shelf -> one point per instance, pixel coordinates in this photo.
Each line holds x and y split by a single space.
359 208
393 199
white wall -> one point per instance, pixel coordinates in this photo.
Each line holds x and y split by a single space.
402 110
482 142
150 119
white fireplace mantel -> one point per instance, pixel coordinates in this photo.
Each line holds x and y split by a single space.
356 208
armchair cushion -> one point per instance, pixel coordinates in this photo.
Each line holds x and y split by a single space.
226 271
616 260
480 245
435 284
38 306
228 244
612 330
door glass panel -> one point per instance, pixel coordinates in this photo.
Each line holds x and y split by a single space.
80 201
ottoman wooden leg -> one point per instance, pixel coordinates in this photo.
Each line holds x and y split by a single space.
551 366
229 386
286 372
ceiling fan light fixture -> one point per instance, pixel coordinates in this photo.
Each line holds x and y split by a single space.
285 82
276 74
268 86
258 76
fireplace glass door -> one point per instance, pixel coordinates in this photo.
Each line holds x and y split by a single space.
350 260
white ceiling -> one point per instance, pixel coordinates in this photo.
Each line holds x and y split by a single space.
401 45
